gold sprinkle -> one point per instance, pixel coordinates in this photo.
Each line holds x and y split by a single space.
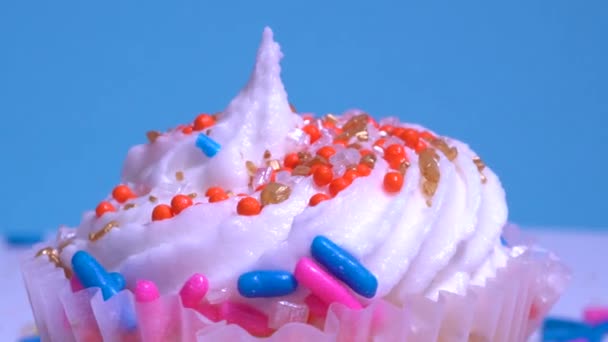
53 256
428 165
450 152
251 168
369 160
362 136
301 170
267 154
293 108
480 166
46 251
230 193
179 176
483 177
129 206
429 202
403 167
331 118
103 231
274 193
192 195
274 164
356 124
152 199
153 135
429 188
304 157
317 160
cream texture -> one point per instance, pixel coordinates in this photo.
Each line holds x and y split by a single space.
411 247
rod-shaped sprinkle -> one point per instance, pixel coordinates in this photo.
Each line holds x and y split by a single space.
209 146
266 283
194 290
92 274
145 291
344 266
323 285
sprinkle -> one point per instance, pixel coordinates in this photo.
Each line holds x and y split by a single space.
301 170
213 191
403 167
162 212
275 193
369 160
179 203
122 193
129 206
322 175
344 266
152 199
251 168
218 197
293 108
103 208
246 316
304 157
393 181
92 274
248 206
362 136
326 152
103 231
179 176
192 195
209 146
146 291
338 185
274 164
450 152
320 283
203 121
53 256
331 118
266 283
313 132
291 160
152 136
267 154
194 290
354 125
318 198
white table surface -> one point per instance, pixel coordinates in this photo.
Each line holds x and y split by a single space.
582 250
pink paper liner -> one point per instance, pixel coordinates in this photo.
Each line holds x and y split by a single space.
509 307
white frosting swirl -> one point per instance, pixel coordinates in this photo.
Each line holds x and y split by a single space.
410 247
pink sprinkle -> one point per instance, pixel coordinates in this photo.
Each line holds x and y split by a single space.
249 318
75 284
146 291
194 290
595 315
323 285
316 306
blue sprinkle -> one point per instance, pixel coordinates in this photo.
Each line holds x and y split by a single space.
555 329
209 146
266 284
503 241
344 266
92 274
30 339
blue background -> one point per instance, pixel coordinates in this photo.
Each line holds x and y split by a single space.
524 82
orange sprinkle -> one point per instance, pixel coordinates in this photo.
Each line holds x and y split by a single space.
393 181
410 136
203 121
103 208
179 203
187 130
214 190
313 132
248 206
338 185
426 135
122 193
351 174
291 160
222 196
363 170
420 146
161 212
326 152
318 198
322 175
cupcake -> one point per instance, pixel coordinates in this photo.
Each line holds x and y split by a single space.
262 222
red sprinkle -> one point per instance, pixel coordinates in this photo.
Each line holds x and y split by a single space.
338 185
326 152
318 198
103 208
122 193
161 212
248 206
420 146
363 170
179 203
322 175
203 121
291 160
351 174
410 136
393 181
427 135
218 197
214 190
187 130
313 132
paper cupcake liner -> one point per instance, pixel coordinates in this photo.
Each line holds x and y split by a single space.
509 307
